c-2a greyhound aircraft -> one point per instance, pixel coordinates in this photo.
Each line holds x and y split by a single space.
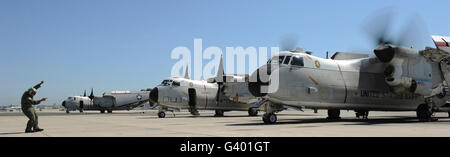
221 93
397 78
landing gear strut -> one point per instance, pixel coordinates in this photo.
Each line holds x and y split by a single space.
334 114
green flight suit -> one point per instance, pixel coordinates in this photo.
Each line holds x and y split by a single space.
27 108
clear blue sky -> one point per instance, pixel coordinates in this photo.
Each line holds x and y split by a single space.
125 45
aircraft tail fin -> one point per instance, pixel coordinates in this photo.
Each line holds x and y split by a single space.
442 42
186 74
220 71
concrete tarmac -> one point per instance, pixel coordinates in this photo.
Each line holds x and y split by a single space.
233 124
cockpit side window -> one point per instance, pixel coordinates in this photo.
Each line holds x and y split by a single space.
287 59
280 59
297 61
175 83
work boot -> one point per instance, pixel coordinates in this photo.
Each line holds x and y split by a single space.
38 130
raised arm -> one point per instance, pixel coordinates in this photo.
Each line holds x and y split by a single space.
38 85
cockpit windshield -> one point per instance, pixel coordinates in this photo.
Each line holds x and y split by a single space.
286 60
175 84
170 83
166 83
297 61
276 60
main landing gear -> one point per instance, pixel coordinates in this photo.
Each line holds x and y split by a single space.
424 113
333 114
363 114
219 113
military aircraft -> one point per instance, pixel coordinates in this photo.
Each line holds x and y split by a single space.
10 108
115 100
397 78
221 93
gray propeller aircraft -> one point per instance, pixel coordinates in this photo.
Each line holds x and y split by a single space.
115 100
397 78
221 93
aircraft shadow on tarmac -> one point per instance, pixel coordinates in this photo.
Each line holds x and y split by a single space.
191 116
12 133
212 116
390 120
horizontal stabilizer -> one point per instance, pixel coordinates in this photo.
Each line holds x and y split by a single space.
441 41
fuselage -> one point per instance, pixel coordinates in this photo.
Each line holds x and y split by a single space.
342 84
181 93
116 100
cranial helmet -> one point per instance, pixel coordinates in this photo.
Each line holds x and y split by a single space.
32 91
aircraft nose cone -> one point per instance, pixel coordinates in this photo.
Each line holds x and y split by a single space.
63 104
154 95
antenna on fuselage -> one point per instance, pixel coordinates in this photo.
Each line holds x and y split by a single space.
327 55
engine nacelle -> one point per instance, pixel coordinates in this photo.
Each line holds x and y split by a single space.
405 82
407 72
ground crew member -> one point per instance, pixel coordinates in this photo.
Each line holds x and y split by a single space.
27 108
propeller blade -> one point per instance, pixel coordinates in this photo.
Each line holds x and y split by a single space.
378 26
289 42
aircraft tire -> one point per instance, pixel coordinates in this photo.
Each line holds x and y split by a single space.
334 114
219 113
161 114
109 111
252 112
269 118
424 113
67 111
448 114
102 111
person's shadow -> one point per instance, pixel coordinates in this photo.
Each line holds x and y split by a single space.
12 133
